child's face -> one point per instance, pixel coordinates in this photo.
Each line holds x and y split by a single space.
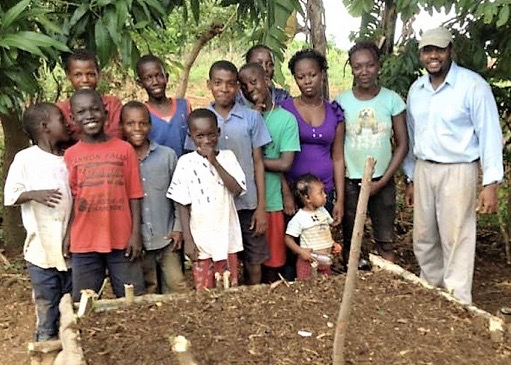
56 126
135 124
316 196
89 114
204 132
265 59
254 85
153 79
224 87
83 74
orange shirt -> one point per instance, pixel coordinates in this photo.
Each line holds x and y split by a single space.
113 107
103 178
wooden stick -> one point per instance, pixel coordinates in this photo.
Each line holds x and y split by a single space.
87 300
351 277
129 294
4 260
181 347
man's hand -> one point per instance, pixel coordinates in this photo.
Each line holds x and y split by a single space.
376 186
258 222
177 240
409 194
66 245
487 202
134 249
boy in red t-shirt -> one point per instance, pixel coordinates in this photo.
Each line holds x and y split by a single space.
105 183
82 70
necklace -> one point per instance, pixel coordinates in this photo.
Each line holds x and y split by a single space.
312 106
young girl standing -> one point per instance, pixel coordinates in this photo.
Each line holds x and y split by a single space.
375 120
311 224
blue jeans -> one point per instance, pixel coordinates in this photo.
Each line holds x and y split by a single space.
90 269
48 287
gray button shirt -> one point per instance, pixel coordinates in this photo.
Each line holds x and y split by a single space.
158 212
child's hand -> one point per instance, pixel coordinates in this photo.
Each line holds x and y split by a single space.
336 248
66 245
289 204
134 249
258 223
176 239
306 254
208 152
191 249
50 197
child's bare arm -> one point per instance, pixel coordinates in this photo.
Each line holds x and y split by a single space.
66 242
259 218
49 197
303 253
230 182
134 249
190 246
288 197
281 164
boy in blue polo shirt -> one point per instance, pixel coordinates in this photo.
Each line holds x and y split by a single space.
242 131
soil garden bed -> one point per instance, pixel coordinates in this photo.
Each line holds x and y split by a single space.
392 322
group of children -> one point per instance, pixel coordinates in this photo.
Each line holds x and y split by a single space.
125 199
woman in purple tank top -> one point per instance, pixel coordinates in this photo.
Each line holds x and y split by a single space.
321 131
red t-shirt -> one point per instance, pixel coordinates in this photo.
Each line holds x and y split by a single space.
113 107
103 178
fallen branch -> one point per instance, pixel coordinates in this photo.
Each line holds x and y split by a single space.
4 260
351 277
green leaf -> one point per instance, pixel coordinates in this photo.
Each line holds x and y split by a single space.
78 14
195 5
110 19
103 42
13 13
16 41
503 15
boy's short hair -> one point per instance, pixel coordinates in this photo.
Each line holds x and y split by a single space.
135 104
257 47
202 113
33 117
80 54
223 65
253 66
90 92
146 59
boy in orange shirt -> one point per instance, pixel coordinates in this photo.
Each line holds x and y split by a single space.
104 229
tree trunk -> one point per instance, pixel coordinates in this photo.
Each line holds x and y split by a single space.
316 17
389 19
15 139
202 39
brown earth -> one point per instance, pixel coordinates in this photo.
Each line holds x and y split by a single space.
393 322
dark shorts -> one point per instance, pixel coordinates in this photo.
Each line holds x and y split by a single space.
89 271
381 209
255 250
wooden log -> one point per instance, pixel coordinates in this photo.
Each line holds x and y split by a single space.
72 353
351 277
44 353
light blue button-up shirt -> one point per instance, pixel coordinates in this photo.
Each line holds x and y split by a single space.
456 123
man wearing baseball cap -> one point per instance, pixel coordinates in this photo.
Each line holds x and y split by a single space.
453 126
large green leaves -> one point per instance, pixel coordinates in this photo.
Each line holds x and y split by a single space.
24 45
